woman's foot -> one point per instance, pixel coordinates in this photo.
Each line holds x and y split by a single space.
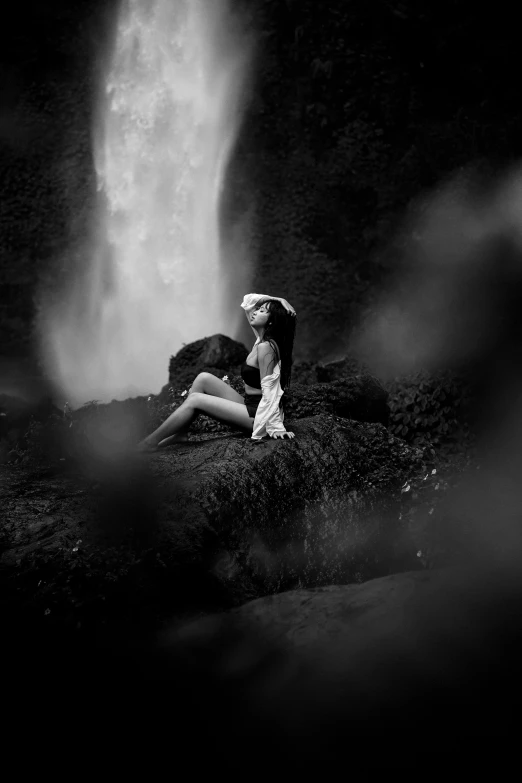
146 446
172 440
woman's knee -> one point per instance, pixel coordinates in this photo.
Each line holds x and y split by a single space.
195 398
201 380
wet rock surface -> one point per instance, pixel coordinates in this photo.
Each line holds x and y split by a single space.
217 351
215 521
339 618
310 675
206 524
359 397
217 355
431 653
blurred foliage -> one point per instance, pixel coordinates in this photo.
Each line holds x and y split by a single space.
432 408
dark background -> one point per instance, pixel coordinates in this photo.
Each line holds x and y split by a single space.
356 110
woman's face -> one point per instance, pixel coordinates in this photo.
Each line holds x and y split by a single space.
260 315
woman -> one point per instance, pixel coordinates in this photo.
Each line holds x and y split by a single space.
266 373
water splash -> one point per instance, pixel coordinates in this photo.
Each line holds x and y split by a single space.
152 274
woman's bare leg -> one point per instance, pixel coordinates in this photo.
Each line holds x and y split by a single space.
204 383
209 384
219 408
174 426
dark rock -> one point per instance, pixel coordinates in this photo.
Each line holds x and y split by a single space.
220 351
359 397
310 373
217 352
304 373
337 618
344 368
16 414
411 654
225 512
332 626
405 652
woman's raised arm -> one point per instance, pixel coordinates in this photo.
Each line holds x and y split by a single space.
251 301
288 307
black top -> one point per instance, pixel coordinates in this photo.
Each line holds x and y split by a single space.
251 375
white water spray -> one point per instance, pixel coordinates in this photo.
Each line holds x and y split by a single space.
152 275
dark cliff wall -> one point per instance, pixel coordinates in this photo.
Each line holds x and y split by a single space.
354 110
49 55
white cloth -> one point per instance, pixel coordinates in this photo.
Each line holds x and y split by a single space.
269 416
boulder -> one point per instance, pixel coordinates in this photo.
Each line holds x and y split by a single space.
386 674
359 397
310 373
339 619
18 411
16 415
223 515
335 627
343 368
413 655
304 373
342 391
217 352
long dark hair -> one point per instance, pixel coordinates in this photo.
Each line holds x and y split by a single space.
280 329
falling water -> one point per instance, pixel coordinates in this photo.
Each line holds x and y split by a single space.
152 275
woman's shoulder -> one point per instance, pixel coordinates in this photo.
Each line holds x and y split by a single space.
268 348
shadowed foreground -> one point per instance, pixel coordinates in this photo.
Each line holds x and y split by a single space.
421 669
206 524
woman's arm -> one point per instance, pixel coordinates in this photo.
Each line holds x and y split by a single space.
253 300
249 302
288 307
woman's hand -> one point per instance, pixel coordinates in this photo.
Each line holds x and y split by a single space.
288 307
283 435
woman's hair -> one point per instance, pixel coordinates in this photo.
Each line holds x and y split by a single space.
280 329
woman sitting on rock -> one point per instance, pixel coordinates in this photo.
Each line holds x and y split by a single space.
266 373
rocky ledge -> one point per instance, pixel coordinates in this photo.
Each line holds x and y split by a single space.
213 522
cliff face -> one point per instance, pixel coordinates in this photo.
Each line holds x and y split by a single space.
48 93
331 163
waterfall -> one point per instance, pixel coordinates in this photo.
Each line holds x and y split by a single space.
151 275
